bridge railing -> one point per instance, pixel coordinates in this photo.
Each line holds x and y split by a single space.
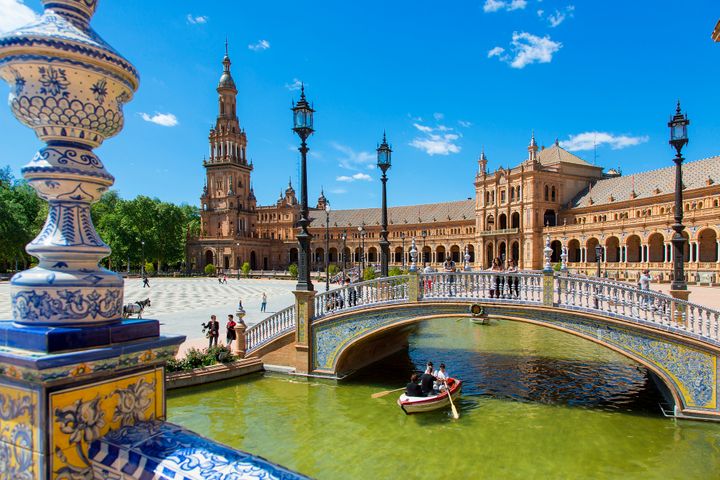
272 327
371 292
632 303
520 287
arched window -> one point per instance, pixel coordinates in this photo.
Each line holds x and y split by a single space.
547 193
553 194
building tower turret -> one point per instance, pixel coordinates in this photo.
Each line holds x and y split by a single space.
532 150
229 205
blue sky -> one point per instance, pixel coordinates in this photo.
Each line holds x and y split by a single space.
445 79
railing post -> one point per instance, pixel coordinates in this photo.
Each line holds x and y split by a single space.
678 311
240 340
548 288
413 287
304 312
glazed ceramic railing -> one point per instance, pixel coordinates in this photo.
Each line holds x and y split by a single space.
521 287
272 327
641 306
372 292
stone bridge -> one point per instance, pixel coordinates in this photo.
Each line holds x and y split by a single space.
334 333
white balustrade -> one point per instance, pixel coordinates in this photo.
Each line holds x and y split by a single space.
520 287
364 294
272 327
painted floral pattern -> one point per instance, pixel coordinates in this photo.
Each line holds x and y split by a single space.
133 401
99 89
54 82
17 419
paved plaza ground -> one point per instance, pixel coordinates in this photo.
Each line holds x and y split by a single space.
182 304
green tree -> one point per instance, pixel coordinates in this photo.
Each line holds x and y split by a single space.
210 269
333 269
368 273
246 268
22 214
293 270
394 271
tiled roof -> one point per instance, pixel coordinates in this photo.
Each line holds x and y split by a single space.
649 184
557 154
411 214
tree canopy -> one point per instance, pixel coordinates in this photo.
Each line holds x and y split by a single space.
122 224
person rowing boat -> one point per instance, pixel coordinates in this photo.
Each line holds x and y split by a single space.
413 388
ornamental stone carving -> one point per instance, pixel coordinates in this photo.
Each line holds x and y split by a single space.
69 86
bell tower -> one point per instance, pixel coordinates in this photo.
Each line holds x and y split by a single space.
228 201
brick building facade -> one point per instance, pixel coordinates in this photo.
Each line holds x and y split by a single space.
550 192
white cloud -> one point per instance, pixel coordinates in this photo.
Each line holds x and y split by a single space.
259 46
508 5
436 143
163 119
464 123
540 13
495 52
295 85
352 178
559 16
338 191
352 160
14 14
589 140
438 116
423 128
527 49
197 20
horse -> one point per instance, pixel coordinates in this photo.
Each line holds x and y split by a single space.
135 308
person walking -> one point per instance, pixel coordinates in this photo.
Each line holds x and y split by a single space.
644 284
230 334
449 267
512 280
263 304
146 282
495 280
212 329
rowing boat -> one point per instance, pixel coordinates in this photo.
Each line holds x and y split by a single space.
433 402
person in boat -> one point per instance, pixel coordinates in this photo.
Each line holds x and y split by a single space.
413 389
427 381
441 374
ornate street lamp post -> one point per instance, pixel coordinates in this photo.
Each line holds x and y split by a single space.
402 236
344 239
303 127
327 247
142 266
384 153
678 139
424 236
361 229
598 257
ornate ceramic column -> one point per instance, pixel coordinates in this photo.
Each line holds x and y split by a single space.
71 369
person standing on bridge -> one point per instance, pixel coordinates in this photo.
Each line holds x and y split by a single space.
230 335
513 281
212 329
644 284
449 267
495 279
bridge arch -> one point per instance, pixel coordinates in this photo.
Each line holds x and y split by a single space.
677 340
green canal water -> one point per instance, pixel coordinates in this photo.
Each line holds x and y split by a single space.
537 403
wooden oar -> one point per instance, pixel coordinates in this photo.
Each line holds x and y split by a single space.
386 392
456 415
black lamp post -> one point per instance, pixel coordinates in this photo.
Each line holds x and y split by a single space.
327 247
402 236
384 152
303 127
678 139
142 267
598 257
424 236
344 239
361 229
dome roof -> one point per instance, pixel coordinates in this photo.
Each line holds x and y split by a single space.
226 80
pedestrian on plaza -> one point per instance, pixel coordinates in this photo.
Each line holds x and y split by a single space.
212 331
225 279
230 333
219 279
512 280
146 282
495 280
449 267
644 284
263 303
